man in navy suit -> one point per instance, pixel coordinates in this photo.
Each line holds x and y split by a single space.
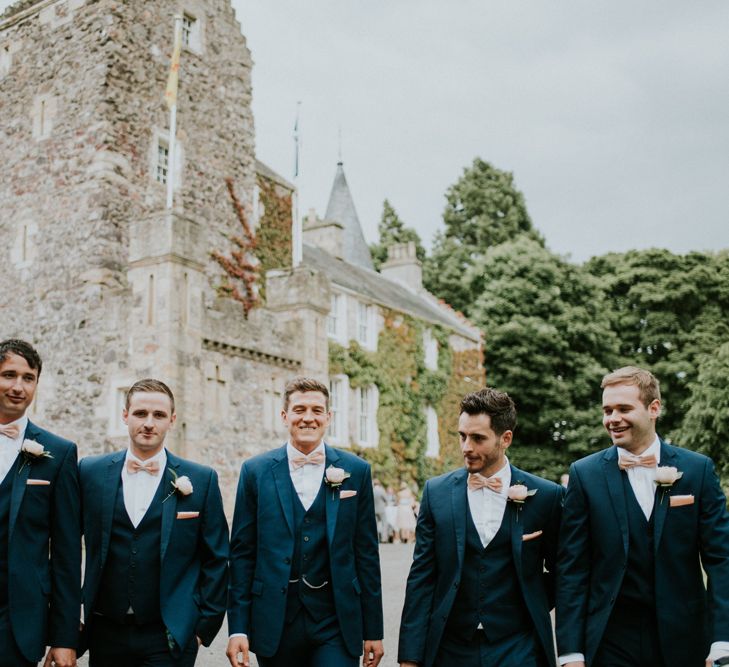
480 587
641 519
40 533
156 538
305 568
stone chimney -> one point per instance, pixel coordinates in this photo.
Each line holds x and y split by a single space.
327 235
402 266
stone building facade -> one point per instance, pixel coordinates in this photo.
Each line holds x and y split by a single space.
109 284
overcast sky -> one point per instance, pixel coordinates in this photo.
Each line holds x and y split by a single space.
613 117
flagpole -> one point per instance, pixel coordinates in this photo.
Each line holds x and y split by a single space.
171 97
297 233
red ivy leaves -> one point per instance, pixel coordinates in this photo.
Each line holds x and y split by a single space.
238 267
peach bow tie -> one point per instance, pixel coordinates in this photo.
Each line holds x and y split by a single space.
151 467
11 431
315 459
627 461
478 481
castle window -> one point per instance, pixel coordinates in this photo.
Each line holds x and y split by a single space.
337 319
367 402
163 162
191 32
366 326
44 113
430 347
116 426
433 439
338 402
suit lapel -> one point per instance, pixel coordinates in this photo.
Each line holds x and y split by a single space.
112 479
169 506
461 510
517 523
616 490
332 498
662 498
284 486
20 479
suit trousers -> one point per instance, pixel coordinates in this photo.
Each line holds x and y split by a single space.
309 643
631 639
113 644
10 655
521 649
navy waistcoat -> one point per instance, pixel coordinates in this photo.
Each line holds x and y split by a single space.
489 591
131 575
638 585
310 560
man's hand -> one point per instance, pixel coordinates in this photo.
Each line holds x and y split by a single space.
238 646
60 657
373 652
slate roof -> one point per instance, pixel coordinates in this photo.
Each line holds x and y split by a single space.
341 209
374 286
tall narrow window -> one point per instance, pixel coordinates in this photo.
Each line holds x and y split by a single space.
184 299
150 300
42 117
335 399
364 414
338 402
332 320
433 439
363 324
163 158
188 24
24 246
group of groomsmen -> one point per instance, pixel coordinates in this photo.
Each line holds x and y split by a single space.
622 555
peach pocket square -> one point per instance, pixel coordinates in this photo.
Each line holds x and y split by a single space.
531 536
679 501
38 482
188 515
347 494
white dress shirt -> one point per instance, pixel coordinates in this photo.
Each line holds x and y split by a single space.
642 479
139 489
487 507
306 479
643 482
9 447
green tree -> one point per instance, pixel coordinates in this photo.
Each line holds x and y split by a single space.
705 427
669 311
548 342
392 230
483 210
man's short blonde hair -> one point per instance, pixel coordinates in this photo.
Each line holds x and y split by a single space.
647 383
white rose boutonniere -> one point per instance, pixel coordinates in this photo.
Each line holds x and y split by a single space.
31 451
518 494
180 485
666 476
334 477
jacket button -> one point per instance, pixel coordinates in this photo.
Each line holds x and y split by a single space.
306 538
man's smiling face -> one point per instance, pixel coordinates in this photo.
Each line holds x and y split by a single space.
630 423
306 417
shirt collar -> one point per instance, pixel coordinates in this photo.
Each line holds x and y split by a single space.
654 449
22 427
160 457
291 451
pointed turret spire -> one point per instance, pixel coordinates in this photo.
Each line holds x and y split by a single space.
341 209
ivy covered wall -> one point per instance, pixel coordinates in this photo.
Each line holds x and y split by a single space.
406 387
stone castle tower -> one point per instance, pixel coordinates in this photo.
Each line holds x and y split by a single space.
110 285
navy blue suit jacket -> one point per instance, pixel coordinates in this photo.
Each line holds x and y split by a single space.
44 586
438 560
594 550
262 545
193 551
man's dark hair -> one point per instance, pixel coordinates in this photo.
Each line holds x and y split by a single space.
149 385
22 349
496 404
304 384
